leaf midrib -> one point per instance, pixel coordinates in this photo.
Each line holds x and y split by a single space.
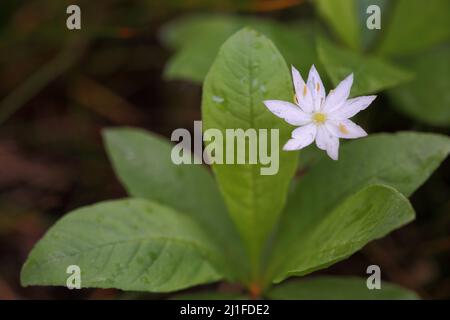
205 251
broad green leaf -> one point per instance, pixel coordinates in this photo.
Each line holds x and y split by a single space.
427 97
403 161
369 214
131 244
337 288
180 32
371 74
296 41
343 19
247 71
142 161
308 158
197 39
348 20
369 37
191 63
415 25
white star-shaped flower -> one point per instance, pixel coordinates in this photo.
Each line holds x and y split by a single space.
320 118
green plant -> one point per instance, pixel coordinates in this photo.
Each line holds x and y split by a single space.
180 228
408 57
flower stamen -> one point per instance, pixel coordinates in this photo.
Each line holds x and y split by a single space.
319 117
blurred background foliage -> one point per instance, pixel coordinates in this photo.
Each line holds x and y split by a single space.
141 63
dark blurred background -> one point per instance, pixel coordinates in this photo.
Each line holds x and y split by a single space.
60 88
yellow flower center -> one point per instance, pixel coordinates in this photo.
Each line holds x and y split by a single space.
319 117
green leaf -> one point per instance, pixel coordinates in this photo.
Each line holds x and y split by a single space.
427 97
180 32
343 19
403 161
369 37
142 161
348 21
364 216
371 74
415 25
247 71
337 288
131 244
197 39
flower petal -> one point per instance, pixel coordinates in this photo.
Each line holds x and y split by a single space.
302 92
325 140
322 137
337 97
288 111
305 134
333 148
346 129
293 144
351 107
316 86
